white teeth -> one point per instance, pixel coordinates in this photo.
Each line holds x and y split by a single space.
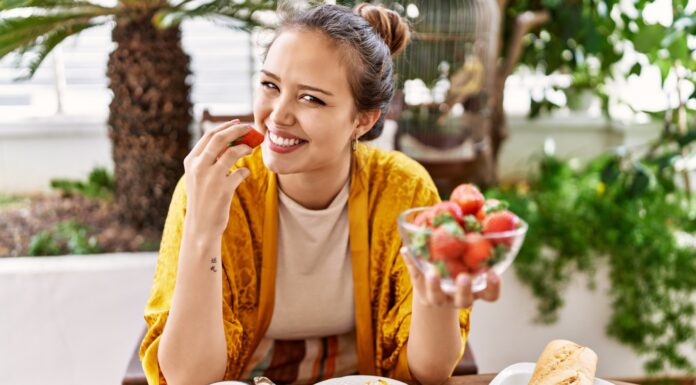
285 142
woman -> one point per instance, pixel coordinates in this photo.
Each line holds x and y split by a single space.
284 260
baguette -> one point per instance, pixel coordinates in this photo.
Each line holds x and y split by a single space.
565 363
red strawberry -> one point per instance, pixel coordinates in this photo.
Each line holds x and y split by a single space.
431 217
455 267
445 242
448 207
468 197
252 139
478 249
501 221
490 206
426 218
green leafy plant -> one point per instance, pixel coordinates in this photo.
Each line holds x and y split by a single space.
628 210
99 184
6 200
588 37
68 237
663 381
43 243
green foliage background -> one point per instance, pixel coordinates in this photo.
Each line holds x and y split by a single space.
584 30
623 209
68 237
99 184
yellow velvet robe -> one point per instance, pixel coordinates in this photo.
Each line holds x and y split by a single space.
383 184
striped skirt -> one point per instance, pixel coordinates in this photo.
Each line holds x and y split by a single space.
304 361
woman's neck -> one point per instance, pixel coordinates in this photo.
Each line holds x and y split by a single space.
316 190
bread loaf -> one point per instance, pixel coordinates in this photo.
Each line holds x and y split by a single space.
565 363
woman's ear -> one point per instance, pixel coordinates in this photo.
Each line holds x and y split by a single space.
366 120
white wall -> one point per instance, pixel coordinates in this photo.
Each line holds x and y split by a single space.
71 320
503 332
34 151
574 135
75 320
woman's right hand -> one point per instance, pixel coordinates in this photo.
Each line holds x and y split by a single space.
209 186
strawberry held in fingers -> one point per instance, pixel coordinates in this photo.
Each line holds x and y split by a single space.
468 197
252 139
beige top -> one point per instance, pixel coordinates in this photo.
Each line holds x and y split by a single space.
314 278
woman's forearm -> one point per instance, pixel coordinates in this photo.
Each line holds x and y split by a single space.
193 349
434 342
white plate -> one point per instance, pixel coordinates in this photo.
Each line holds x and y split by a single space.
230 383
519 374
358 380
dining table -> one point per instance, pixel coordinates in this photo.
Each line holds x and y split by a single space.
485 379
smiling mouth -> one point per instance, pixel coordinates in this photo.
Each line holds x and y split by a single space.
284 142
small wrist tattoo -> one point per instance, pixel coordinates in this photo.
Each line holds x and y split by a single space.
213 264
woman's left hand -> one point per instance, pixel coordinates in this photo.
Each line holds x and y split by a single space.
427 290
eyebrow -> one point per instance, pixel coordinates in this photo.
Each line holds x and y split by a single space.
302 86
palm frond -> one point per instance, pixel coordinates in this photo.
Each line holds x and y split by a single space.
180 3
243 12
48 43
19 31
37 25
12 38
38 32
6 5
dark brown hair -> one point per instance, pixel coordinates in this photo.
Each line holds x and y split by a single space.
372 36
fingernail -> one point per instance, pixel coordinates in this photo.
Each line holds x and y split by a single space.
245 172
462 280
431 276
494 278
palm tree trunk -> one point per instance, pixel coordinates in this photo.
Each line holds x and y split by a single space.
149 118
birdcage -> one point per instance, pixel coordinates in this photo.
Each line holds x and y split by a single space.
445 79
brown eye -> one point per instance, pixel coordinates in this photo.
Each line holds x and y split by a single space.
313 99
269 85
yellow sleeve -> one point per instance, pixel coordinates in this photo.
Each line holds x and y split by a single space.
159 303
398 320
157 308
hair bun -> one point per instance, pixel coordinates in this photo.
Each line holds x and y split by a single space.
388 24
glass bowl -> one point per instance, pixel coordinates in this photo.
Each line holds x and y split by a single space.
501 248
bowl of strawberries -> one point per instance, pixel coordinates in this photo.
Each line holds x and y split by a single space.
467 234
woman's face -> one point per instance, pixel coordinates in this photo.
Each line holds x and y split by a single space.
304 105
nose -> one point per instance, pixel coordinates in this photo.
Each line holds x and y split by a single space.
283 114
